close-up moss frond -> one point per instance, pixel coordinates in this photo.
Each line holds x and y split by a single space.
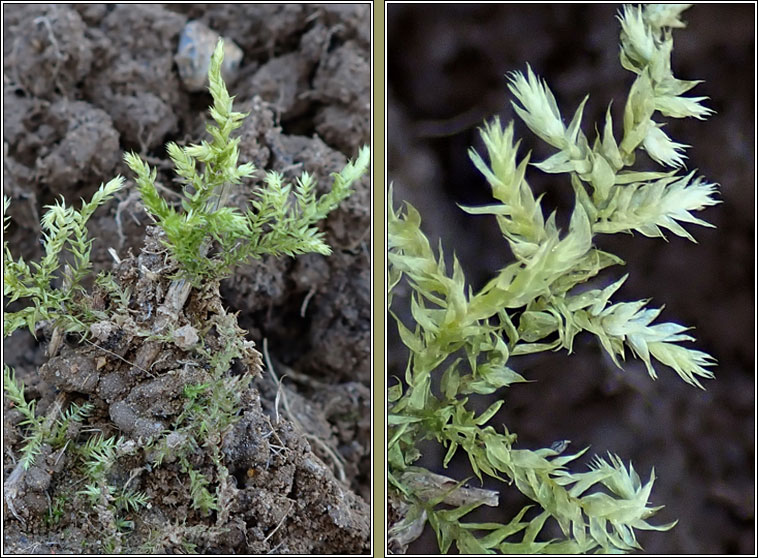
464 341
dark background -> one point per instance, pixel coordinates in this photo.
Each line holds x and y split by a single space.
446 76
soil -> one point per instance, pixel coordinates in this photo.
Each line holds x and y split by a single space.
82 85
446 75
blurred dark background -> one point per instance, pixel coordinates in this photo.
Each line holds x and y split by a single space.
446 76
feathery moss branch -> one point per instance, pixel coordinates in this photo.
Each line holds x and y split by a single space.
64 230
535 304
209 239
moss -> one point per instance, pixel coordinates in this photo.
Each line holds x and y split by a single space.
463 344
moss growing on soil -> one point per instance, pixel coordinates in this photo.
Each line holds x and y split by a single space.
188 446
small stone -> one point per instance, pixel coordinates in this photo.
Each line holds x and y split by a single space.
102 330
175 440
193 56
123 416
111 386
148 428
38 479
185 337
71 372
